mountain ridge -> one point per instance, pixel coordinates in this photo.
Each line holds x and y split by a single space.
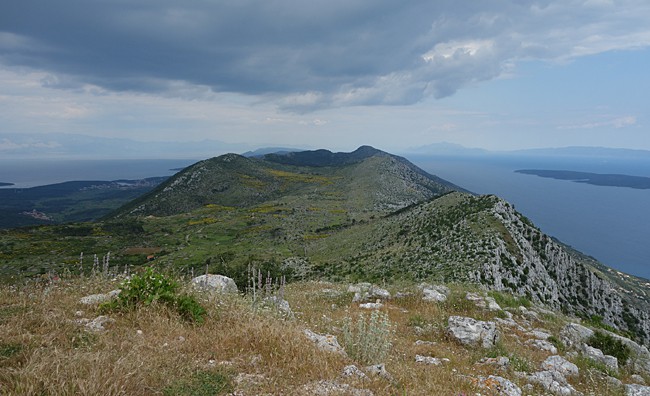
365 215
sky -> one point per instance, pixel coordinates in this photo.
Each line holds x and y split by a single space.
336 74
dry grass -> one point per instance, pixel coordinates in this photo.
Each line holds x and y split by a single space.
151 351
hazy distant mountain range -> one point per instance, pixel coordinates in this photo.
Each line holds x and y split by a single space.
29 145
451 149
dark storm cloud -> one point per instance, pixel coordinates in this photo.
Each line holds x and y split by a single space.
308 54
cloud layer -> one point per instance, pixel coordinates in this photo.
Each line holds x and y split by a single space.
306 55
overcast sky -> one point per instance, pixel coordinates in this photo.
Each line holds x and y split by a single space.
334 74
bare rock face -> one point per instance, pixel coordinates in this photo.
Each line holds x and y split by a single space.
472 332
548 273
215 283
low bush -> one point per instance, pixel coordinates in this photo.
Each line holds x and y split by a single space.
610 346
151 287
368 342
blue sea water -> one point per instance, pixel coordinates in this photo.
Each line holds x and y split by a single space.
37 172
611 224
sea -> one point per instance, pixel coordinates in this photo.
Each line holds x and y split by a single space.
25 173
611 224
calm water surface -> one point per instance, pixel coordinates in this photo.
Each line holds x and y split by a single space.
611 224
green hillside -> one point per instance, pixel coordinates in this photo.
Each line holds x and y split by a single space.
365 215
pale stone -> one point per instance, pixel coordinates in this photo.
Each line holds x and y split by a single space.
499 384
378 370
637 390
472 332
543 345
560 365
97 324
553 382
100 298
353 371
325 342
216 283
430 360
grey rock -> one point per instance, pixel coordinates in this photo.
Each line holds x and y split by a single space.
215 283
325 342
331 388
615 382
430 360
100 298
509 323
483 302
353 371
539 334
574 335
560 365
501 385
637 379
375 305
501 362
472 332
597 355
280 304
528 313
553 382
543 345
378 370
637 390
97 325
492 304
367 291
434 293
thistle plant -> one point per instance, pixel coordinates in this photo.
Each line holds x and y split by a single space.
368 341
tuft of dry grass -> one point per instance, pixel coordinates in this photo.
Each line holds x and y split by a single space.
152 351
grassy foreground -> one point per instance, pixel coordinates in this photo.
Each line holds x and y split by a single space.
242 348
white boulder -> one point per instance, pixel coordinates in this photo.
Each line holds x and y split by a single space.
215 283
472 332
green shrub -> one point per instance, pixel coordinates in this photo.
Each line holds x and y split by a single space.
150 287
190 309
610 346
369 341
146 288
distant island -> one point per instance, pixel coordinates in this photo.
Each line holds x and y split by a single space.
597 179
2 184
